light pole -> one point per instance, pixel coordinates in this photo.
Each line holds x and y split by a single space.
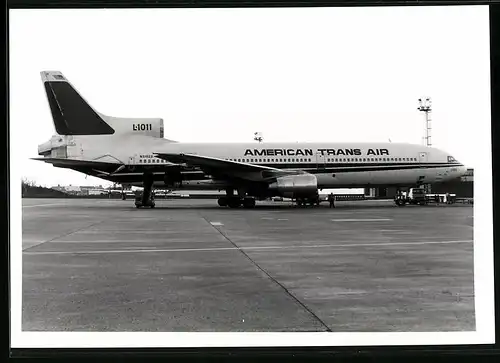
425 105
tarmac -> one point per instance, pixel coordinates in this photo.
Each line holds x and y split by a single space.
190 265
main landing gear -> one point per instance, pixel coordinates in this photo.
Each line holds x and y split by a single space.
146 199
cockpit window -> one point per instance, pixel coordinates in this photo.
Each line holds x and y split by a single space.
451 159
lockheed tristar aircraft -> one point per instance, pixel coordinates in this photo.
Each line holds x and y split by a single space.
133 151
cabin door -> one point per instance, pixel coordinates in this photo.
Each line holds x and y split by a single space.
320 161
422 157
132 161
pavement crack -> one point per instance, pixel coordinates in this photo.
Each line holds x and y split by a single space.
63 235
304 306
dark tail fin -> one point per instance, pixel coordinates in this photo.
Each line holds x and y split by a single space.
72 115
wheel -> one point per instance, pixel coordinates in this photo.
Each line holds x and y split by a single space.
249 202
222 202
234 202
400 203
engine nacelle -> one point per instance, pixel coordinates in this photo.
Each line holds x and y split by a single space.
292 186
173 179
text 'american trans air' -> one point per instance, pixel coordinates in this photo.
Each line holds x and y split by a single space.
310 152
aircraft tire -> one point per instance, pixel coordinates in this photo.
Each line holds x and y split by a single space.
234 203
400 203
222 202
249 202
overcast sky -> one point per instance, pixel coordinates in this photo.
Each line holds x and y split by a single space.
219 75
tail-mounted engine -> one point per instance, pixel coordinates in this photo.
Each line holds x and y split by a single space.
292 186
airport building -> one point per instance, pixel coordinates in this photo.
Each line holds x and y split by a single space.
81 189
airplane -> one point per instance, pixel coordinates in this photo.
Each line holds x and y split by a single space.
133 151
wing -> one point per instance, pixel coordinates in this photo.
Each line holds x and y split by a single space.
226 168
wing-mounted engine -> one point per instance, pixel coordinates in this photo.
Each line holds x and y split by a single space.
293 186
136 126
173 179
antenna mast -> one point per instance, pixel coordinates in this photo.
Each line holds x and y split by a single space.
425 105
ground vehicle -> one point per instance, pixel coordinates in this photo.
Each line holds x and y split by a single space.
413 196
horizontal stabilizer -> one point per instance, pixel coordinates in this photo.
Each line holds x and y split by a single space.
73 162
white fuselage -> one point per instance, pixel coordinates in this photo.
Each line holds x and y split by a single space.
334 164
